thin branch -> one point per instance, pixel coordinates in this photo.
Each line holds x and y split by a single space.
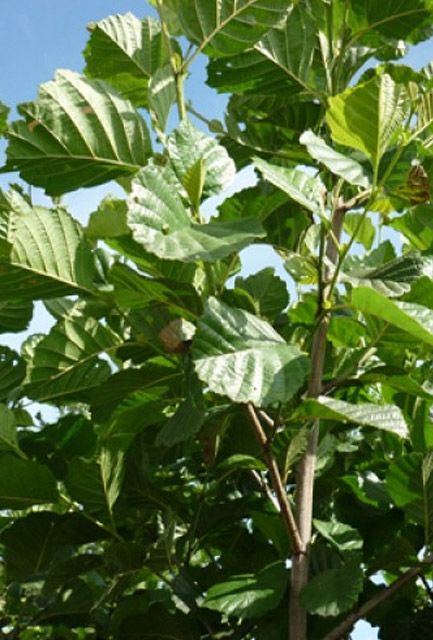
277 483
344 627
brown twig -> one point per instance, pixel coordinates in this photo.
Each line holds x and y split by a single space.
277 483
346 625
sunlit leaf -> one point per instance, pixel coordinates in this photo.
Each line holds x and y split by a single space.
300 186
79 133
387 417
126 52
367 117
414 319
226 29
48 257
162 225
238 355
341 165
187 146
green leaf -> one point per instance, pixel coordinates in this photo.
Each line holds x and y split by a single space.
393 278
66 362
48 257
12 371
184 424
156 377
158 623
392 19
238 355
362 226
417 226
291 47
368 116
187 146
15 316
410 484
407 316
300 186
126 52
162 95
24 483
84 484
386 417
342 536
31 542
79 133
249 596
133 291
229 28
339 164
109 220
112 472
4 112
8 431
268 291
162 225
333 591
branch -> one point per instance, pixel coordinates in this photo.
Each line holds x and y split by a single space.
307 467
277 483
344 627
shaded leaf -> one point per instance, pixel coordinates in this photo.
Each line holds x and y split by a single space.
249 595
66 362
24 483
8 431
333 591
291 47
268 291
410 484
342 536
15 316
156 377
12 371
133 291
32 541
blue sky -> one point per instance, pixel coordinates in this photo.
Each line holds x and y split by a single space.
39 36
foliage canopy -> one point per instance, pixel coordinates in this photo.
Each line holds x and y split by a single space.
198 408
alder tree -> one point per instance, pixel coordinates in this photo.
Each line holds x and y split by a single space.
232 457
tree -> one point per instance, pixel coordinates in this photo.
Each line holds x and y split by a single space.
226 463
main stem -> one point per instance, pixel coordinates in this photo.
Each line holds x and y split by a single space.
305 483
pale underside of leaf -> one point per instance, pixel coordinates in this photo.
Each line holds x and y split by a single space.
241 356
